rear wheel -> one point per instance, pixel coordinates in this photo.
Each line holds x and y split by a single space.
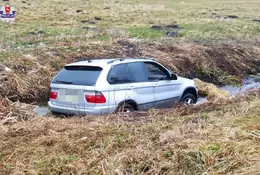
125 108
188 99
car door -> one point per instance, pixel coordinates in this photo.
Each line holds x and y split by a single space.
166 91
128 82
118 78
140 86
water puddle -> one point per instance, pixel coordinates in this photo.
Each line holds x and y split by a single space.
201 100
248 83
251 82
42 109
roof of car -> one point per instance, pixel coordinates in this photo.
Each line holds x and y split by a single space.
107 61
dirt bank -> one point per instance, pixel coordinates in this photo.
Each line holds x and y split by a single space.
31 73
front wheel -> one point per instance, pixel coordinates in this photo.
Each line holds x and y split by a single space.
188 99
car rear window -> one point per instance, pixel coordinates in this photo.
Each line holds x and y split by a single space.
78 75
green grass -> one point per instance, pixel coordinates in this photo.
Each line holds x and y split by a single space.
55 164
145 33
220 30
59 18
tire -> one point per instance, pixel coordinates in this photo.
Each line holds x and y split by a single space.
188 99
125 107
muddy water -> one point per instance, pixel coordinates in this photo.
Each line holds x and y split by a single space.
42 109
251 82
248 83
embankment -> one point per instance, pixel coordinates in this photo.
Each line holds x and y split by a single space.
30 74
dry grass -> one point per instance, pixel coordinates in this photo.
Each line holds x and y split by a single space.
210 91
12 112
32 72
211 141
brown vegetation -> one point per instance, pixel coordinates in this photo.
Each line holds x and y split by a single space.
210 91
12 112
218 138
31 75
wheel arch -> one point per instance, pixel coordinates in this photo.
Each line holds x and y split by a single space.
129 101
191 90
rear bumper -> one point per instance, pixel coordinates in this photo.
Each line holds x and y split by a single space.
97 110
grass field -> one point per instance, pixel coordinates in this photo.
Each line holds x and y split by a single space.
219 137
202 20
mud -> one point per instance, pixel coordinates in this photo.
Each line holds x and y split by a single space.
97 18
166 27
88 21
172 34
155 27
232 17
90 28
79 11
174 26
36 33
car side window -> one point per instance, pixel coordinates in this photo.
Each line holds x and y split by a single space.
156 72
119 74
137 72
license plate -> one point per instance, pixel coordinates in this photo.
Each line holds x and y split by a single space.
70 98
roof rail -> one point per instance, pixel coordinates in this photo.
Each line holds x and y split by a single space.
120 59
87 59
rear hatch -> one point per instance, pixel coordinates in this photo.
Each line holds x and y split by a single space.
74 86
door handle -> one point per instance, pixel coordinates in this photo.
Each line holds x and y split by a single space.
155 85
130 87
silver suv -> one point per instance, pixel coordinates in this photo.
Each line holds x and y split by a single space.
103 86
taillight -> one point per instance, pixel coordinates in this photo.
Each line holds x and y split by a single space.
95 97
53 95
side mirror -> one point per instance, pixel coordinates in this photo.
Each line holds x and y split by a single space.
174 76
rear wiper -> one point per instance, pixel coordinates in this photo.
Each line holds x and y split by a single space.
64 82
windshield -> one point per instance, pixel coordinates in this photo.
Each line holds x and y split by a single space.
78 75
